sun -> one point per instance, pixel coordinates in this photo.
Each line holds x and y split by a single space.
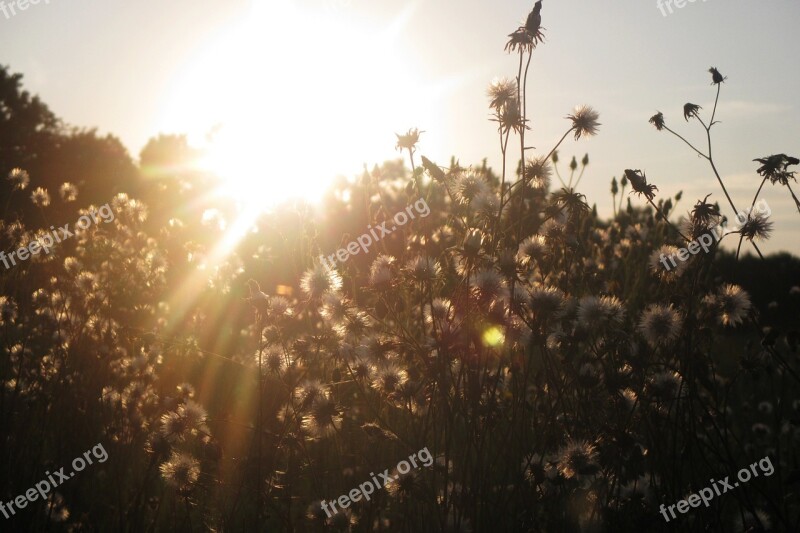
288 98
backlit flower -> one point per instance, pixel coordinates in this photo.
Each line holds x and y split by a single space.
19 179
660 325
40 197
584 121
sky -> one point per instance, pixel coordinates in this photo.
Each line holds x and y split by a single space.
324 85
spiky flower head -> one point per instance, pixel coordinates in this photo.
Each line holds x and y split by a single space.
584 121
19 179
181 471
68 192
323 418
657 120
538 172
409 140
776 168
705 213
577 458
40 197
660 325
501 92
730 303
469 185
319 281
716 77
638 181
757 227
690 110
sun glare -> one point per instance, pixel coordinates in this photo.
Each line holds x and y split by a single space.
290 97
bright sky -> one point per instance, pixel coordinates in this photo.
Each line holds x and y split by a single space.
340 77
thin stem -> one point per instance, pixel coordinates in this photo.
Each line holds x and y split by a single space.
667 220
690 145
714 112
796 201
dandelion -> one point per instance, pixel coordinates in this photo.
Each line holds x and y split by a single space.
19 179
502 92
660 325
657 120
181 471
68 192
319 281
730 303
40 197
576 458
584 121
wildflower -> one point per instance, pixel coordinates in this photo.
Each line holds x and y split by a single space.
72 266
539 172
308 392
533 23
509 117
19 179
40 197
639 183
68 192
716 77
657 120
665 263
469 186
705 213
584 121
660 325
747 522
423 269
488 285
8 311
532 248
731 304
319 281
257 298
546 300
323 418
521 41
409 140
279 307
334 308
185 391
181 471
56 508
577 458
502 92
664 385
690 110
389 378
775 168
594 312
173 426
380 273
756 227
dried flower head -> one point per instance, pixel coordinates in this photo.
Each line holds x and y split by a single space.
40 197
577 458
716 77
502 91
657 120
638 181
318 281
181 471
730 304
660 325
584 121
409 140
19 179
757 227
68 192
690 110
775 168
